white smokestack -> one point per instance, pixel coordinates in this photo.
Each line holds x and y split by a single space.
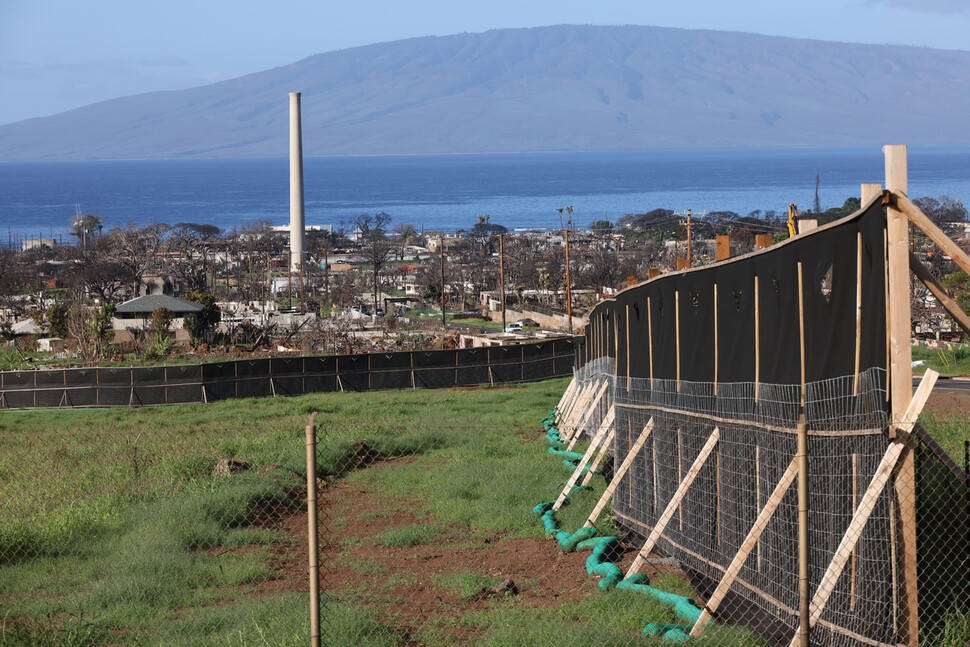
297 217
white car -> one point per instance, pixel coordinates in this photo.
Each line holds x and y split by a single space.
513 327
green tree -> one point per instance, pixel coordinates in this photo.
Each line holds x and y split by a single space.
202 324
57 320
161 320
100 328
86 228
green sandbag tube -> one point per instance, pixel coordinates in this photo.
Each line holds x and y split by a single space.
542 507
564 454
677 635
596 564
682 607
660 628
549 522
569 542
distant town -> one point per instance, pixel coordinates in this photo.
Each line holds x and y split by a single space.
154 292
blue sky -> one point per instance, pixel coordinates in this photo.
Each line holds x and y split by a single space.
58 54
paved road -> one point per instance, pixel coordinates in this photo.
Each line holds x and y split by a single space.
947 384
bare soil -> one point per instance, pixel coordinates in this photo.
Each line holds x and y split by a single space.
407 586
949 404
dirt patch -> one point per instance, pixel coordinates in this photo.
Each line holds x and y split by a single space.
948 404
430 585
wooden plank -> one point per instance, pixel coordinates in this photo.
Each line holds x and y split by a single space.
604 447
597 439
577 409
870 193
880 479
750 541
855 504
582 411
564 400
801 327
619 474
715 339
674 503
563 414
590 410
858 312
616 337
911 211
680 475
757 489
889 351
650 339
901 383
628 348
609 422
757 341
653 464
939 292
565 394
677 332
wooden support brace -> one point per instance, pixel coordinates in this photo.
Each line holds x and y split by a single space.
880 479
945 300
593 445
575 408
620 473
586 413
610 422
731 574
567 420
565 394
936 234
674 503
564 401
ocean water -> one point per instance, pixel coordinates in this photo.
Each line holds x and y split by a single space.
448 192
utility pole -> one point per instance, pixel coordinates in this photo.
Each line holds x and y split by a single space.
690 223
441 241
569 292
501 274
326 274
376 268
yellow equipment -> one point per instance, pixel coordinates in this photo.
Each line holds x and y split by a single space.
792 215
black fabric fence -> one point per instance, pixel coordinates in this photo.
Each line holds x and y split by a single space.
142 386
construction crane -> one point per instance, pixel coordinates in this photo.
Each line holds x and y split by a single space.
792 217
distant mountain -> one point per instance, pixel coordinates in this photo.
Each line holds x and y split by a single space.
543 89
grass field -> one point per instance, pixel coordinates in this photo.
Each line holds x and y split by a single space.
945 361
114 529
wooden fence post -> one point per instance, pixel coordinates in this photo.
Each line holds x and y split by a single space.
312 530
901 377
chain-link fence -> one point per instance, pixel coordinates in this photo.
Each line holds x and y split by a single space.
188 525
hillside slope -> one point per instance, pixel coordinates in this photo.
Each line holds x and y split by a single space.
540 89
